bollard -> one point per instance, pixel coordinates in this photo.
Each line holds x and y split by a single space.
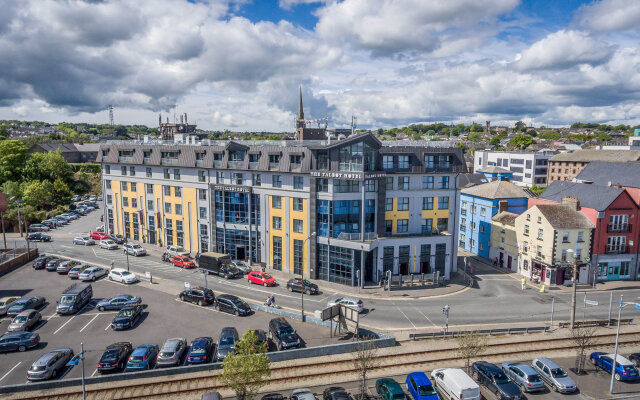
411 280
542 288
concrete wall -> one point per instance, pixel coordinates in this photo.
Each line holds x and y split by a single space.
15 262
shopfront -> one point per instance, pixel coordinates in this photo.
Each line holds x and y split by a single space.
614 270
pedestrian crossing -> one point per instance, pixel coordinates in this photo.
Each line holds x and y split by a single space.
145 263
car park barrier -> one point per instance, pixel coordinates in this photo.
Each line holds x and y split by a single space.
600 322
489 332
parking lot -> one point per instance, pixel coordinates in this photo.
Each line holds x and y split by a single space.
164 316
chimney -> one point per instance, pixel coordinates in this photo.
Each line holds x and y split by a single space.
493 179
503 205
573 202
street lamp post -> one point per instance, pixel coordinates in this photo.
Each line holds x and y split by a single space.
302 317
615 353
445 311
573 288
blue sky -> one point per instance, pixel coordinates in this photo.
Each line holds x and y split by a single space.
238 65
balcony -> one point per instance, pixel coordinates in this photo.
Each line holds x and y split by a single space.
619 228
356 236
236 164
146 160
169 161
199 163
125 159
253 165
296 166
618 249
274 164
217 163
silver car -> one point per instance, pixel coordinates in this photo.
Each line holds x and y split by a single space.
302 394
83 240
108 244
351 302
26 320
74 273
5 303
92 273
524 376
553 375
177 251
172 352
244 268
49 365
134 249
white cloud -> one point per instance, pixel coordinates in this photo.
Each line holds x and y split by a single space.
21 110
610 15
289 4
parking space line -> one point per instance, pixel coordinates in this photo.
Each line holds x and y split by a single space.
10 371
88 323
195 305
63 325
108 326
94 372
428 319
259 290
405 315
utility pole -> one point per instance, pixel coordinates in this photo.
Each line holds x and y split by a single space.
573 289
19 218
445 311
302 316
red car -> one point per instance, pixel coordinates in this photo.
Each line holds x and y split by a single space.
183 262
261 278
98 236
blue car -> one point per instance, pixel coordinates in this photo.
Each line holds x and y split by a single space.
118 302
420 387
625 369
201 350
142 358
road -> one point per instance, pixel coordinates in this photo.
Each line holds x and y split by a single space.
495 299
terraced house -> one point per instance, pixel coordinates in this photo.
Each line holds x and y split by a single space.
341 210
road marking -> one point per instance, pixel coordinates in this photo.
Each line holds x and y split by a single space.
63 325
108 326
261 290
421 313
94 372
88 323
50 316
10 371
405 315
66 247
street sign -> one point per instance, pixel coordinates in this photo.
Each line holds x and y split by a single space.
587 259
187 285
148 275
591 302
74 360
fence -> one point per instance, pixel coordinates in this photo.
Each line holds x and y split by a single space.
489 332
13 258
601 322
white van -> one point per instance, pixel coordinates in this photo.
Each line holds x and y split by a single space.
455 384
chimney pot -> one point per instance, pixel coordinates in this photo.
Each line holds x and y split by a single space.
573 202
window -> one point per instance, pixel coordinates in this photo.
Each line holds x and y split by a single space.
166 173
427 203
526 230
345 186
443 203
472 225
295 161
388 226
481 246
123 170
149 205
580 237
125 186
298 182
297 204
403 162
539 251
202 194
204 231
403 225
427 225
403 183
322 185
389 183
219 177
388 204
202 176
473 209
276 201
177 190
427 182
403 204
277 253
482 211
539 219
277 223
125 202
203 212
167 208
274 161
525 247
540 233
179 209
132 171
134 202
256 179
482 231
387 162
109 199
107 169
429 161
297 226
236 178
565 237
297 256
277 181
108 183
134 187
149 172
444 182
176 174
528 217
578 254
370 185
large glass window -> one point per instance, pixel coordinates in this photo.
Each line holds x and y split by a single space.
298 182
370 185
403 162
444 182
297 204
403 183
427 203
324 217
277 253
345 186
168 227
387 162
277 223
443 203
388 258
236 242
297 256
179 233
277 181
256 179
322 185
297 226
351 157
388 204
276 202
403 225
427 225
427 182
323 159
110 219
203 212
403 204
337 264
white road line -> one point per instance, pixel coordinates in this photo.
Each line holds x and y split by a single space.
108 326
405 315
94 372
259 290
421 313
50 316
10 371
66 247
63 325
88 323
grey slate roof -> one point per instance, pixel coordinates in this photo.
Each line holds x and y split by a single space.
593 196
496 190
601 173
598 155
468 180
505 217
562 216
494 170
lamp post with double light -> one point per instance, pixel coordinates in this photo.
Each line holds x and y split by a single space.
302 317
615 353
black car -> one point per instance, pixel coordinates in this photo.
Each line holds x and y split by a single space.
635 359
199 295
495 380
282 334
335 393
42 261
226 343
38 237
20 341
296 285
25 303
232 305
261 337
52 265
119 239
201 350
115 357
50 224
272 396
126 318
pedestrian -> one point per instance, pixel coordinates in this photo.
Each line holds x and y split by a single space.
524 283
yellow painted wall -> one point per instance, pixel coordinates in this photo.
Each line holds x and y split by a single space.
191 228
277 212
509 234
159 209
301 215
395 215
117 211
434 214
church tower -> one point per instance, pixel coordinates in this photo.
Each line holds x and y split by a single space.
300 121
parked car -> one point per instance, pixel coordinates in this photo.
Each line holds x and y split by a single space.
177 251
65 267
84 240
201 350
38 228
116 238
282 334
25 321
118 302
122 275
49 365
142 358
297 285
127 317
199 295
100 198
335 393
183 262
92 273
75 198
25 303
50 223
93 197
296 394
553 375
74 298
261 338
625 369
232 305
389 389
5 303
69 216
172 352
38 237
52 264
494 379
524 376
84 198
261 278
115 357
420 387
351 302
635 359
98 236
133 249
454 383
108 244
226 343
19 341
41 262
241 266
75 272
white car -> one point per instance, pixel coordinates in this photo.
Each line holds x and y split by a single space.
92 273
69 216
83 240
134 249
5 303
122 275
177 251
108 244
351 302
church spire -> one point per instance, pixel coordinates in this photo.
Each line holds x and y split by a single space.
300 110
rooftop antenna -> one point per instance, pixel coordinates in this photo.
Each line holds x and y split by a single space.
110 115
175 120
354 123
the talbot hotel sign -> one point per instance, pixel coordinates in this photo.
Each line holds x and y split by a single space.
360 176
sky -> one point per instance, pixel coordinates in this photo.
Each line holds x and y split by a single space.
238 65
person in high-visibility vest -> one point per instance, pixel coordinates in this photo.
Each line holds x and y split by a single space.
524 283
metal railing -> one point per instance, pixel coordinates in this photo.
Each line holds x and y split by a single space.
617 249
199 163
236 164
169 161
356 236
125 159
619 228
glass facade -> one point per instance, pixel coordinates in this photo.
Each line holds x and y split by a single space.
337 264
335 217
297 256
233 207
236 243
357 157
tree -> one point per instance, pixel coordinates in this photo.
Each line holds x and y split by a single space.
495 141
603 137
520 126
36 193
474 137
365 359
583 338
60 192
521 141
470 345
13 154
476 128
49 166
536 189
245 370
462 146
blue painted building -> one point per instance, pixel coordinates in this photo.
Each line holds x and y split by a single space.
478 204
496 173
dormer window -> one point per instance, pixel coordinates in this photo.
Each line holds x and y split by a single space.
274 161
295 161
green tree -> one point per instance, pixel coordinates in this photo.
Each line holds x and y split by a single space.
521 126
462 146
521 141
49 166
60 192
246 368
603 137
13 155
11 189
536 189
475 128
36 194
548 134
495 141
474 137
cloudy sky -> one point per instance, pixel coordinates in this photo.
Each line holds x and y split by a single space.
238 64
